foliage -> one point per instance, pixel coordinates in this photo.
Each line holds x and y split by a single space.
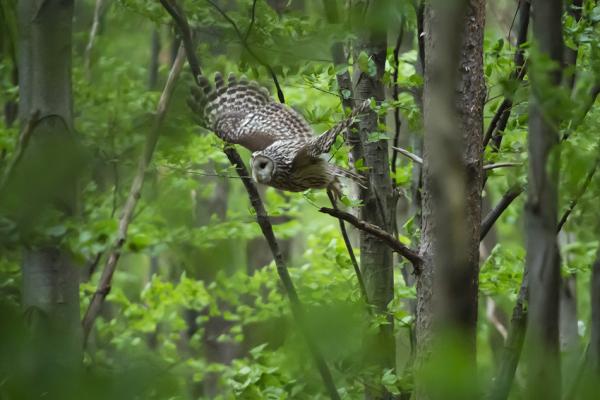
195 275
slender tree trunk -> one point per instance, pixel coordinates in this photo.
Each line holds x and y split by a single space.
376 260
543 264
50 279
594 351
454 93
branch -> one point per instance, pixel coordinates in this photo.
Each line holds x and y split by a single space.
251 21
267 230
135 190
411 255
22 143
359 277
98 10
249 50
408 154
186 35
512 347
265 225
498 123
501 165
344 80
580 117
580 193
395 93
502 205
419 160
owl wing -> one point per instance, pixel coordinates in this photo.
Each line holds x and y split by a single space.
241 112
322 143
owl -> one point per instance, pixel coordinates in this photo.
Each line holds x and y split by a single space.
285 153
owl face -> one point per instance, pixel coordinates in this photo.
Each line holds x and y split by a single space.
263 169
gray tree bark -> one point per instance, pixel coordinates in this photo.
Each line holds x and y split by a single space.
542 261
453 101
376 261
44 175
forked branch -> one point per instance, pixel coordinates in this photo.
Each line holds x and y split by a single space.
411 255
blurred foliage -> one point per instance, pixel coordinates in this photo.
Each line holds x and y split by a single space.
194 257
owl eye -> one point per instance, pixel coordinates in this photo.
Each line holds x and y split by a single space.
262 165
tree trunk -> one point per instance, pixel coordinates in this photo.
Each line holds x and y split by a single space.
542 338
454 94
45 175
594 352
376 260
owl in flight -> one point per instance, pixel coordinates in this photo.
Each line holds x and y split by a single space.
286 154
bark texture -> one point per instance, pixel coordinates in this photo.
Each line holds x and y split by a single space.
454 93
50 279
542 261
376 260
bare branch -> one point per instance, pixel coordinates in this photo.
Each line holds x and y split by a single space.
359 277
135 190
408 154
263 220
22 143
87 57
339 57
498 123
280 95
186 35
395 94
501 165
265 225
419 160
581 192
251 21
512 346
502 205
411 255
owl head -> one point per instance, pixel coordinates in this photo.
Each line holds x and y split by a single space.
263 168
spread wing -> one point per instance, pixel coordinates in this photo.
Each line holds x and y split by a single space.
241 112
322 143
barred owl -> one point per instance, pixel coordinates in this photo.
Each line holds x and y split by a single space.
286 155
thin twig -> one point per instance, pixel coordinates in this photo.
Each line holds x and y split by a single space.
498 123
408 154
87 57
251 21
280 95
580 193
488 167
411 255
22 143
502 205
186 35
359 277
128 210
265 225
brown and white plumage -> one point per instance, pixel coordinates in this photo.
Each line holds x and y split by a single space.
286 154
